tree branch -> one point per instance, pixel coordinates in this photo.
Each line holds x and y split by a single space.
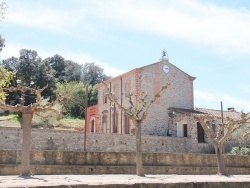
155 98
112 99
59 100
23 89
202 120
246 134
58 114
38 94
231 123
16 108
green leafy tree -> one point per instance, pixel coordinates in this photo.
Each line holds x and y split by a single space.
65 70
5 79
34 73
45 75
92 95
75 106
10 64
57 62
2 43
27 66
93 74
72 71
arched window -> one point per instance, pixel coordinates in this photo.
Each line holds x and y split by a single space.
115 117
127 89
126 124
92 125
104 123
116 92
105 98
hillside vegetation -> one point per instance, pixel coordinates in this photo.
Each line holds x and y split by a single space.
13 120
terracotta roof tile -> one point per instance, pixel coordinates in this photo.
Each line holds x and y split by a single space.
185 111
217 113
230 114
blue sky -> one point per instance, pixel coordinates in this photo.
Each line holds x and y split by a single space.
208 39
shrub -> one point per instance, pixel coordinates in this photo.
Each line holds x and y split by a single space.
240 150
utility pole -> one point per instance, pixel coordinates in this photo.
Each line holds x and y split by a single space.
86 106
222 121
221 107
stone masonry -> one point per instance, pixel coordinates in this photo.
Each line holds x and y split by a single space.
75 162
148 79
47 139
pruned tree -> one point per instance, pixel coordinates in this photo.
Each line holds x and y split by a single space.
219 136
46 119
27 115
242 135
247 132
137 111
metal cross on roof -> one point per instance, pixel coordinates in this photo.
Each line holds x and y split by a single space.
164 53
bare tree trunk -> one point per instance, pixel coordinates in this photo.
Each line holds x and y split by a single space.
220 160
25 155
139 163
27 115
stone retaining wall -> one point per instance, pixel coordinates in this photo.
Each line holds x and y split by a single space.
49 157
72 162
47 139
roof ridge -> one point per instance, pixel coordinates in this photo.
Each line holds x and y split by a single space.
216 110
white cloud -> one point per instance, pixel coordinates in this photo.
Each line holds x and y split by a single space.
227 30
230 101
43 17
83 58
11 50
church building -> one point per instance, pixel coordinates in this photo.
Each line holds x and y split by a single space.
106 117
170 116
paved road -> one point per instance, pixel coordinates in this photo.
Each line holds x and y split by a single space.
118 180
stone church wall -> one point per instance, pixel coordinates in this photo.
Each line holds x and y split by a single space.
47 139
179 95
148 79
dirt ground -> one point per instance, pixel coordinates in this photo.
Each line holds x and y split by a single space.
77 125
